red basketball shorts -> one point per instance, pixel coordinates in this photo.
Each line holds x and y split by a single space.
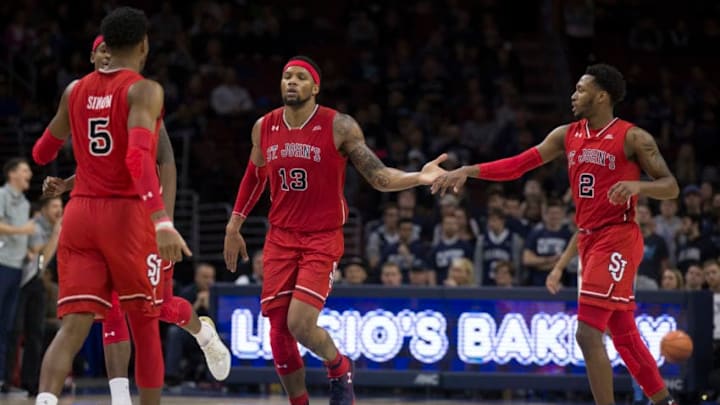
299 265
106 245
609 259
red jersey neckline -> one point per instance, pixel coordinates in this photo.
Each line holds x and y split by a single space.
287 124
595 133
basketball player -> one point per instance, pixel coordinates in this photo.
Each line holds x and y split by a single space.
605 156
108 242
177 310
303 148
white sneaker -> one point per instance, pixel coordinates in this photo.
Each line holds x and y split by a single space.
217 356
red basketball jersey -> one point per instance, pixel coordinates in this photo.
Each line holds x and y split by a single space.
306 171
596 161
98 111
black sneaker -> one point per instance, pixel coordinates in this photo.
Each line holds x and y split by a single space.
341 389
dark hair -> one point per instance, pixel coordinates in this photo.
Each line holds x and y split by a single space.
709 262
310 61
389 205
124 27
610 80
406 221
349 261
555 202
497 213
505 263
13 164
495 189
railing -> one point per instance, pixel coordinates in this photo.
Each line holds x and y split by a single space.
353 233
212 219
186 217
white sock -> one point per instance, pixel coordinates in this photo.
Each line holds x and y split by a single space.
46 398
204 335
120 391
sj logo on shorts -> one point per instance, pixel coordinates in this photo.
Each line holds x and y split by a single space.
154 263
617 266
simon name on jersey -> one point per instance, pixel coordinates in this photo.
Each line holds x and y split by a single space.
293 150
99 103
594 156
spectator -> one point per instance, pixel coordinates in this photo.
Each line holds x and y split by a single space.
15 228
420 275
256 277
513 209
183 358
655 253
692 245
355 271
692 200
390 275
449 247
672 280
384 235
229 98
469 228
496 244
667 225
31 309
460 274
504 274
448 204
711 272
406 250
694 278
545 243
479 132
645 36
715 214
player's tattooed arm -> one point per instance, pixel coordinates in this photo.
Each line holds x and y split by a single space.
664 184
641 146
382 178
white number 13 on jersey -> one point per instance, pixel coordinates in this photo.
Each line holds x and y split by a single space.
293 179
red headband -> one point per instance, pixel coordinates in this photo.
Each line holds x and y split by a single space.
306 66
98 40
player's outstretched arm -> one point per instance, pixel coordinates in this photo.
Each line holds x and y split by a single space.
552 282
506 169
145 99
641 146
167 170
48 145
249 192
381 177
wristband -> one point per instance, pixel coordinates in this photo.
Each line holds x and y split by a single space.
167 224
